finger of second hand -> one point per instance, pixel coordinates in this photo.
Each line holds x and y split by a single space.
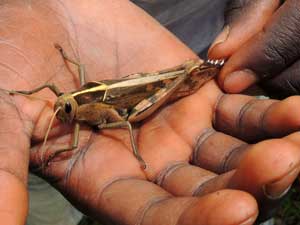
269 51
242 26
284 84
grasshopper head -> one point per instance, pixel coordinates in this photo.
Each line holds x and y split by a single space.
68 107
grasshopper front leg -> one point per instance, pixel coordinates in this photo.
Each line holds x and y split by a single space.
81 68
126 124
74 145
81 72
104 116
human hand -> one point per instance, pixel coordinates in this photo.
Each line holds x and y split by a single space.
262 43
14 160
103 178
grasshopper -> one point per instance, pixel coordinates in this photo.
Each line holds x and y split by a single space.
120 102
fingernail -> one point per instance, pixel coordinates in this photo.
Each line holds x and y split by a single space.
279 188
239 80
251 220
222 37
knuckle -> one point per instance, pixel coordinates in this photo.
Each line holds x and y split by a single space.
233 9
284 84
289 87
236 4
275 55
283 36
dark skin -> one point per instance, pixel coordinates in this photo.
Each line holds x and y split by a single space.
262 43
112 39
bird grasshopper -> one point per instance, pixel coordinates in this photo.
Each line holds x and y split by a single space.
120 102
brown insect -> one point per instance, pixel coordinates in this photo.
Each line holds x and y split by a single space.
120 102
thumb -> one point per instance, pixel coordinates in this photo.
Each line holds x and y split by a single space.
243 19
266 55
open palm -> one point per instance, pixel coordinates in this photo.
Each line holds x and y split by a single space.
197 146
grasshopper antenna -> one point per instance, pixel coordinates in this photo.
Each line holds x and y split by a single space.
47 133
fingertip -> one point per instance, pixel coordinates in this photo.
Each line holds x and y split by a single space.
233 201
271 177
222 207
238 81
230 40
244 23
280 188
216 50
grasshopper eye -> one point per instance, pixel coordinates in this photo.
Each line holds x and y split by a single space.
68 107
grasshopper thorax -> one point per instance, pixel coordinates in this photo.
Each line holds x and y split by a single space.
67 107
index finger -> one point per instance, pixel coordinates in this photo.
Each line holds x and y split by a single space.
243 19
267 53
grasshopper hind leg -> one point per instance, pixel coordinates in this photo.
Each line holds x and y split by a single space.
81 68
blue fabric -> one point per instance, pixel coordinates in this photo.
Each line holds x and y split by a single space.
195 22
